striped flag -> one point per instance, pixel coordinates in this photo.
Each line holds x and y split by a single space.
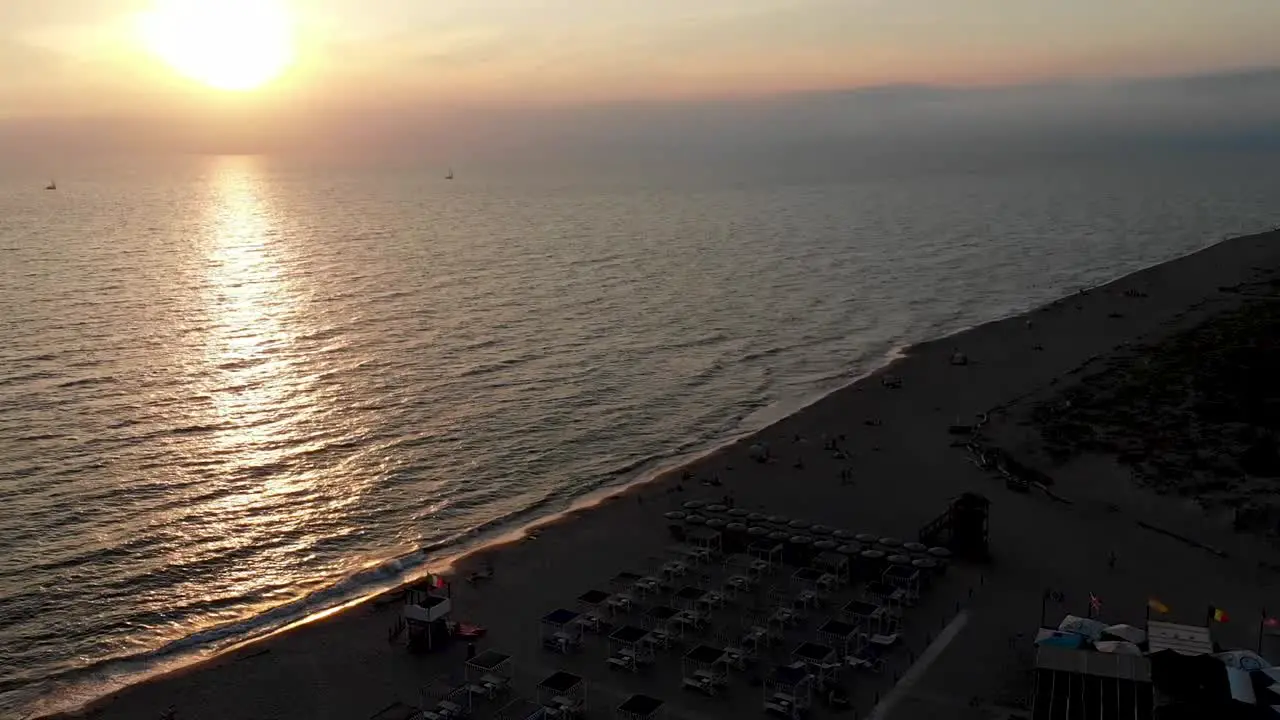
1217 614
1157 606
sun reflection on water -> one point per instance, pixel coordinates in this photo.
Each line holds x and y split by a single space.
262 404
248 301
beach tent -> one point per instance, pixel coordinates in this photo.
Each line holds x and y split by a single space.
706 669
641 707
871 617
841 635
563 692
561 630
788 691
630 647
492 671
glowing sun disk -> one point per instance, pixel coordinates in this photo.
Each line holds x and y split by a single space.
226 44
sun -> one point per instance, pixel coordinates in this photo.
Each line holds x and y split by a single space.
226 44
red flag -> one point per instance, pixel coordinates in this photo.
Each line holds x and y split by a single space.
1094 603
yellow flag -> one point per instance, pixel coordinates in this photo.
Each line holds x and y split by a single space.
1157 606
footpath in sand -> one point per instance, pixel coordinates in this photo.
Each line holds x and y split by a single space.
965 648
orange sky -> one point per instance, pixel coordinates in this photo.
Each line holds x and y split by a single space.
364 69
85 57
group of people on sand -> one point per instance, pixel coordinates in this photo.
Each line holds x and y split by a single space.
834 445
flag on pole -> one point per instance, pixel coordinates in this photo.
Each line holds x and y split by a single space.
1271 625
1217 614
1157 606
1094 603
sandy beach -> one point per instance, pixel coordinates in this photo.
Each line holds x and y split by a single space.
964 647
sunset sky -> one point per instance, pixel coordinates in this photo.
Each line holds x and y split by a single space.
87 58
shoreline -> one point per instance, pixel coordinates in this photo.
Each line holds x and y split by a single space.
485 541
609 495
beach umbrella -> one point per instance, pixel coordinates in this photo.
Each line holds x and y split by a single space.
776 520
925 564
756 517
940 552
735 527
825 545
915 547
694 504
695 519
739 512
821 530
716 523
717 508
842 535
899 560
757 531
799 525
800 540
851 548
674 515
778 536
891 542
865 538
873 554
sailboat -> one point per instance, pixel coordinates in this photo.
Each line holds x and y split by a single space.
449 176
51 186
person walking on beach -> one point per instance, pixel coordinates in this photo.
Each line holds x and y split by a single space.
1111 560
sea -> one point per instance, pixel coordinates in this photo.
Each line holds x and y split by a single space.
237 391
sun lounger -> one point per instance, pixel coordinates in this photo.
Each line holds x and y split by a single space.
620 602
884 640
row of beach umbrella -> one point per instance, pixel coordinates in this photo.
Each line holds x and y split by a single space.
799 534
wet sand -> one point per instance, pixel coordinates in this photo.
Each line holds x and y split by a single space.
905 466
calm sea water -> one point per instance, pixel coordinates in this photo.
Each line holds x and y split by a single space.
233 392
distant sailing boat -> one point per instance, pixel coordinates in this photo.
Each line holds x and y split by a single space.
51 186
449 176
